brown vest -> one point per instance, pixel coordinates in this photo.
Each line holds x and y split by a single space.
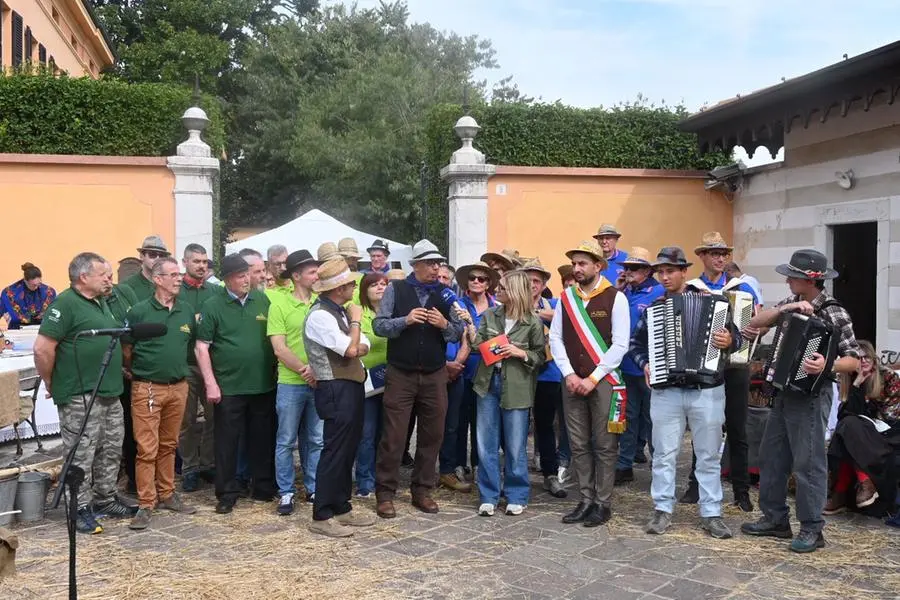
599 309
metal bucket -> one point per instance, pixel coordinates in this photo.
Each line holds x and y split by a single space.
7 499
31 495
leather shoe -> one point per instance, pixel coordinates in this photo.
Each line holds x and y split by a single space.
691 494
385 509
742 501
624 476
425 504
577 515
597 515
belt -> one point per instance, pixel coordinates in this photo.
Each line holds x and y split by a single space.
172 382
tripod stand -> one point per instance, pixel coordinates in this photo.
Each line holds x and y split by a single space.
72 476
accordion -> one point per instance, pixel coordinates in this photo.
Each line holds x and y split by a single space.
797 338
679 339
741 313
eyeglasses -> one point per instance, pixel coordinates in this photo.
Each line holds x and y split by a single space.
479 278
153 254
866 358
433 262
633 268
718 254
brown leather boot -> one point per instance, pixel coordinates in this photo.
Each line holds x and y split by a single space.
385 509
866 494
426 504
837 503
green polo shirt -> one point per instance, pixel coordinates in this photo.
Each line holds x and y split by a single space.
162 359
195 297
142 287
67 315
242 357
287 315
279 291
120 302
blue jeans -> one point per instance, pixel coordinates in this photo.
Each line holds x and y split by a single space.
294 402
671 410
447 458
515 432
466 422
637 415
365 452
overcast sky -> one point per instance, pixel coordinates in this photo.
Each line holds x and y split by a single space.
694 52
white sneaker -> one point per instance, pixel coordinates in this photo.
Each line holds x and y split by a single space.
515 509
486 510
562 474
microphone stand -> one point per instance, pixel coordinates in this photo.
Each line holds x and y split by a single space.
72 476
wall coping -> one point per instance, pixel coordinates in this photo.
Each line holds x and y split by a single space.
74 159
600 172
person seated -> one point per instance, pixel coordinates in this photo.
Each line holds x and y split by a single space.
864 448
25 301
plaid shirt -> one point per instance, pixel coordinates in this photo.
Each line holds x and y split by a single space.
838 316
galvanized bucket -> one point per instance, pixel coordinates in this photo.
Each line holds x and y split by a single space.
31 495
7 499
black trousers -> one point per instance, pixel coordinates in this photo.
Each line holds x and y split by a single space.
129 446
547 398
252 415
340 404
737 396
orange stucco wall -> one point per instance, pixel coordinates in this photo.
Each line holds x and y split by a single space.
544 211
65 28
57 206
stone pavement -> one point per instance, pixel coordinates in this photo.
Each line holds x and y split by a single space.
454 554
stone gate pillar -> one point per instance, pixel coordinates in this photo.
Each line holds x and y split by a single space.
467 174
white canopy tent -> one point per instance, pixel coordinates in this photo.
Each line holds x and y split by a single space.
313 229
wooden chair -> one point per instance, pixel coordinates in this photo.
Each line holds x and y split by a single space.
31 384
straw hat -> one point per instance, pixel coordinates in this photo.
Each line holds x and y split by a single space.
712 240
590 248
395 274
607 229
333 274
672 256
508 257
462 274
425 250
348 249
536 266
638 257
327 251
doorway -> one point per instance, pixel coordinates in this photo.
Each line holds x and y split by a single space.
855 258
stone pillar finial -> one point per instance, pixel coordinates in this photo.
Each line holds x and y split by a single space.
467 175
195 121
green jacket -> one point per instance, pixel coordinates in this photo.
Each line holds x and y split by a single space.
519 377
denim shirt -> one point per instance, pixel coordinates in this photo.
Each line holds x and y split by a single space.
474 358
639 298
614 266
549 372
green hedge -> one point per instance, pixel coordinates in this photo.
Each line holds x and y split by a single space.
554 135
43 114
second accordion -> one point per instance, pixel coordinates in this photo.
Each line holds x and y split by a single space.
679 339
797 338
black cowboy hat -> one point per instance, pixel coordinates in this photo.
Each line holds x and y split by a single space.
807 264
379 245
233 263
295 260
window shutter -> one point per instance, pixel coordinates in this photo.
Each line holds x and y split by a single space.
17 26
42 54
29 40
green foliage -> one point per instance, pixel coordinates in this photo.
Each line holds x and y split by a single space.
42 114
635 136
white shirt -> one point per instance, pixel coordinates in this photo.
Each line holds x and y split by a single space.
621 335
754 283
324 330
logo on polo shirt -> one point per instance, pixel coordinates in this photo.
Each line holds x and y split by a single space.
185 328
261 317
54 315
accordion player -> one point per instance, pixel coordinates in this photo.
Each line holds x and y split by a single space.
798 337
680 344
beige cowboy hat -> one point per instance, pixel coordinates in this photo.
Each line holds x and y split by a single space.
348 249
535 266
395 274
590 248
154 243
712 240
638 257
462 274
510 258
607 229
327 251
333 274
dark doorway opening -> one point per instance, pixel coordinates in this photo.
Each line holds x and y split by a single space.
855 258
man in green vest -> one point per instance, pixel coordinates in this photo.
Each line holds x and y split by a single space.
70 383
198 457
141 283
238 366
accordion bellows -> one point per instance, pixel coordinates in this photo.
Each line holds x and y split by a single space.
797 338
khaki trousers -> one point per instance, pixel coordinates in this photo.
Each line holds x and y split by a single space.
594 450
156 411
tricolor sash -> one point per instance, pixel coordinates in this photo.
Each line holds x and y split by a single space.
596 349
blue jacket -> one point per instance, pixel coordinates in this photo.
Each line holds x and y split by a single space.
549 372
474 355
638 300
615 268
723 279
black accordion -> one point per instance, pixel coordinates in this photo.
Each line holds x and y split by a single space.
679 339
797 338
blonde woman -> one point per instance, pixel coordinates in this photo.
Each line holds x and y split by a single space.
505 393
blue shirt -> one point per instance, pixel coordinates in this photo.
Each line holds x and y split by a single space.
474 356
549 372
639 298
723 279
615 268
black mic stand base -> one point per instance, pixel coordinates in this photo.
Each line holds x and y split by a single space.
74 479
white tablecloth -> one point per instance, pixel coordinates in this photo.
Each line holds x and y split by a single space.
46 418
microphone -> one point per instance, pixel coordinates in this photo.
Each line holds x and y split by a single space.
138 331
450 298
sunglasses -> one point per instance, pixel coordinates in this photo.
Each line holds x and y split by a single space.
433 262
479 278
635 268
154 254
